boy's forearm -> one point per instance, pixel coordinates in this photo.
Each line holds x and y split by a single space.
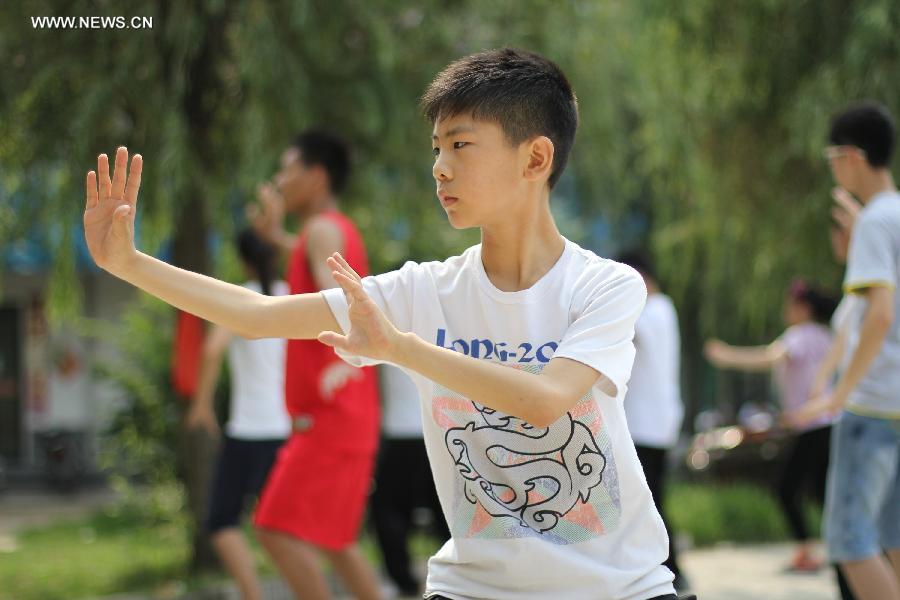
210 369
243 311
514 392
829 364
216 301
871 337
749 358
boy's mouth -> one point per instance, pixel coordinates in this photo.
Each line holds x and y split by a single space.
447 200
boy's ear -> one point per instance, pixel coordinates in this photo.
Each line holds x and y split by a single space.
540 158
320 177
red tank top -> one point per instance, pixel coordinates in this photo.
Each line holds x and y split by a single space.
341 401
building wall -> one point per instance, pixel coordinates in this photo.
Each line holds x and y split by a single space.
55 388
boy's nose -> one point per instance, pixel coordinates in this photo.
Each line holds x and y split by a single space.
441 171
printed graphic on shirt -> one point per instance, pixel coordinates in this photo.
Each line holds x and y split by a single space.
557 483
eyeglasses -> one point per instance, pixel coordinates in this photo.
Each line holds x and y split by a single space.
832 152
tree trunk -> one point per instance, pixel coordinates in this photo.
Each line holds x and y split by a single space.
198 449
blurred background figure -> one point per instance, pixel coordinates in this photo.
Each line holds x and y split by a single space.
848 311
315 499
653 405
257 423
403 481
795 358
844 321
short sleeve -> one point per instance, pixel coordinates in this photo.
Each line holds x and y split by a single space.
392 292
602 333
872 260
794 342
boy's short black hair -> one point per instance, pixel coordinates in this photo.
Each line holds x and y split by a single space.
321 147
869 127
524 93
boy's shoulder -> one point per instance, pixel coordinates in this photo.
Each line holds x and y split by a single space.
582 276
883 209
597 275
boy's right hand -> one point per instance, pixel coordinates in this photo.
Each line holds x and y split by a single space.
201 416
846 208
267 216
110 210
713 350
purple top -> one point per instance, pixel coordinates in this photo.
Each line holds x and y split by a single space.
807 345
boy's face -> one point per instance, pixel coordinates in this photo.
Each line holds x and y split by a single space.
479 173
845 163
295 180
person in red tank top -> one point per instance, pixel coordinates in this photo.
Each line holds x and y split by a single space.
315 497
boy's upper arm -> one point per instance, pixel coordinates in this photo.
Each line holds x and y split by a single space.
324 238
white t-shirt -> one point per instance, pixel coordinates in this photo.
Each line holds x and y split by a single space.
874 260
257 383
401 417
653 403
562 512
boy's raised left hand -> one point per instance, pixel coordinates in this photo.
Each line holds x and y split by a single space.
110 210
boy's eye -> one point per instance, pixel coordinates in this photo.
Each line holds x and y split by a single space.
435 152
458 145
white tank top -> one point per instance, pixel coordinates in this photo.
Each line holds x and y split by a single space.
257 383
401 416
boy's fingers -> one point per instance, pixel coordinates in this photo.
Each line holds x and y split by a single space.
335 340
134 180
350 286
119 174
337 266
103 175
91 188
845 200
347 266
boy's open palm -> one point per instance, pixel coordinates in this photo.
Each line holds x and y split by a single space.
110 209
371 334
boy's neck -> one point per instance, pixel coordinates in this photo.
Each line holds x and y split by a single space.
316 207
879 181
517 253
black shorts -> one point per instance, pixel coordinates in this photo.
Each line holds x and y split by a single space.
240 474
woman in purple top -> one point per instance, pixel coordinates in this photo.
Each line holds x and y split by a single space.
794 358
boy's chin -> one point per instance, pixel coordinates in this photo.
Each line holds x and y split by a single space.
456 222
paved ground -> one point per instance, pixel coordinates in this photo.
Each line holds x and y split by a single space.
720 573
753 573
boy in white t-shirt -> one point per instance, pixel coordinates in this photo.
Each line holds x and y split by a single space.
862 505
653 405
520 348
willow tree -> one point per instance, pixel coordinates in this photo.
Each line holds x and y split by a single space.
210 94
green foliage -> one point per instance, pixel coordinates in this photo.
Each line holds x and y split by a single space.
707 119
740 513
702 119
122 549
142 440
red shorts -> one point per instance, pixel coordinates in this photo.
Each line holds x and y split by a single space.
316 494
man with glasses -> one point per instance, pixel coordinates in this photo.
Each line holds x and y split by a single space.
862 506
